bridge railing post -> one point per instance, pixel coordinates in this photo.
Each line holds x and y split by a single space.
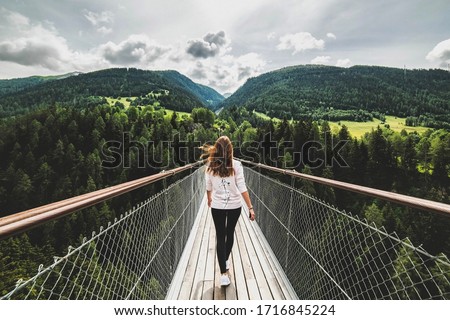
170 239
291 196
258 206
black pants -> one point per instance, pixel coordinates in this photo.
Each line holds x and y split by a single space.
225 221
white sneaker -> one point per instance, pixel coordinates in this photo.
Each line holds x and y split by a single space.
227 264
224 280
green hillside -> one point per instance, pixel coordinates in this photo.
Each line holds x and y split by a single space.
359 93
208 95
18 84
84 90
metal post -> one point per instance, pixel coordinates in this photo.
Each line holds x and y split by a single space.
166 200
166 208
192 207
291 196
258 207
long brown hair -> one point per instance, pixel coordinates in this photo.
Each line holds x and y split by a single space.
220 157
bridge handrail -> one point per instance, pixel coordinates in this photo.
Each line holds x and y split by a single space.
22 221
405 200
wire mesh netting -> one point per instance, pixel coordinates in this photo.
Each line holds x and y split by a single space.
330 254
134 257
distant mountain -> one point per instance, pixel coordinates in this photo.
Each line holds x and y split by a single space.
204 93
355 93
27 94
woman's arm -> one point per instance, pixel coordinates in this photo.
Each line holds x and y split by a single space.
208 195
248 202
208 188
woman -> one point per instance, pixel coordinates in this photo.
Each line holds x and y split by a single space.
225 185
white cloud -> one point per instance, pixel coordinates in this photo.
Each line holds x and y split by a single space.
104 30
440 53
331 35
299 42
137 50
14 18
38 46
271 36
98 19
321 60
207 47
343 63
102 21
30 44
249 65
226 73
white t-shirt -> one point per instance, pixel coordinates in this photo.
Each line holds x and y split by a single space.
226 192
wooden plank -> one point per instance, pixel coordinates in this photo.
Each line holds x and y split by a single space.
208 285
253 290
186 286
230 291
180 272
199 276
252 287
208 290
255 263
219 292
284 283
241 285
211 252
266 267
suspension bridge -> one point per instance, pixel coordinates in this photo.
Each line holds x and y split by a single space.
300 247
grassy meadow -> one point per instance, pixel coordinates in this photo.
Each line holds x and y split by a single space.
126 101
358 129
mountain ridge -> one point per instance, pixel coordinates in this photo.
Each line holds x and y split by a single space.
357 93
34 92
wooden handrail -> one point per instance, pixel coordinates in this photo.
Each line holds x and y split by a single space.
28 219
409 201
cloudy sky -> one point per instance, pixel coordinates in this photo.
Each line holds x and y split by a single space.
216 42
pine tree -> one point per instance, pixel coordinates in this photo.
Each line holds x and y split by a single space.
21 191
374 214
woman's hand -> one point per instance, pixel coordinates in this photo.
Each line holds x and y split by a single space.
251 214
209 202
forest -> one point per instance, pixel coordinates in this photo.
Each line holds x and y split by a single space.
59 150
359 93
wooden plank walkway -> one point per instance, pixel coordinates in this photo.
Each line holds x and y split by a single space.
255 272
